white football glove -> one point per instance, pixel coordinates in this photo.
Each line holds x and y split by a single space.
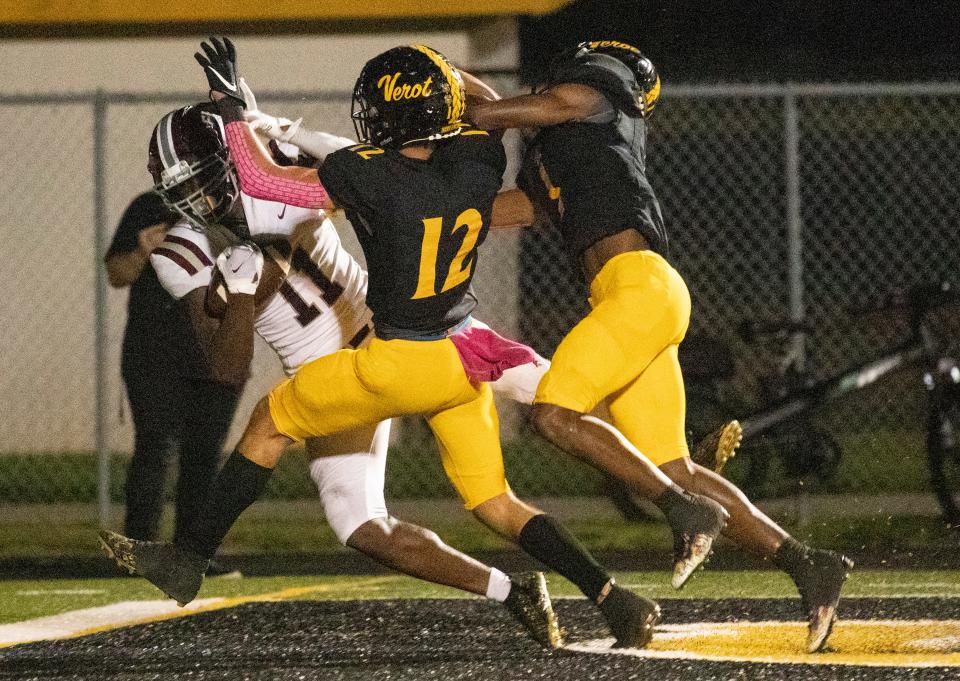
241 267
276 128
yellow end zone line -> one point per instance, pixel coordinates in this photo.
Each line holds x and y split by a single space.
220 604
831 659
699 634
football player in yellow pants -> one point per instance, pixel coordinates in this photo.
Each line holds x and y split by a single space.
585 170
625 353
351 388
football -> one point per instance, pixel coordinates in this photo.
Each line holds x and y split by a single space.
270 281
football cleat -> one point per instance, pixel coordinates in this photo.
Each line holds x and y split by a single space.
631 617
175 571
695 525
718 447
819 579
529 603
218 569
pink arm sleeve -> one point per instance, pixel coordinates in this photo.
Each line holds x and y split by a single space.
261 178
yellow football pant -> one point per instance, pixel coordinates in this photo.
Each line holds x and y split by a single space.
625 352
352 388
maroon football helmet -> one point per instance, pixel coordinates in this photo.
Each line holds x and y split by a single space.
191 166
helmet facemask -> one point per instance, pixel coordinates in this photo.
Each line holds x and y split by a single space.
204 192
366 118
191 166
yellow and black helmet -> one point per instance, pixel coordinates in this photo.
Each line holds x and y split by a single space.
637 94
405 95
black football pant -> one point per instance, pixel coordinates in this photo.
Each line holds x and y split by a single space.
173 417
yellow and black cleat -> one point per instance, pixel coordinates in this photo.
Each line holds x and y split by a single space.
529 603
718 447
631 617
175 571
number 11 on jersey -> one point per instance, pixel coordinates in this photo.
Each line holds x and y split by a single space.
457 273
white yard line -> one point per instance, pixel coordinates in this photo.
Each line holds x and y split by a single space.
127 613
61 592
75 622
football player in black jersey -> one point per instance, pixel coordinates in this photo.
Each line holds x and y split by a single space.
419 191
585 172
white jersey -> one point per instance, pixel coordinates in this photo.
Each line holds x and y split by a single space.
319 308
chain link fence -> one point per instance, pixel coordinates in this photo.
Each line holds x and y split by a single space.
803 201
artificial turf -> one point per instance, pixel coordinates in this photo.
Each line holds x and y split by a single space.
26 599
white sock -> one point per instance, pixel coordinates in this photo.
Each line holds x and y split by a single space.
499 586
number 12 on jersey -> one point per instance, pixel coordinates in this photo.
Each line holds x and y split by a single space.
472 221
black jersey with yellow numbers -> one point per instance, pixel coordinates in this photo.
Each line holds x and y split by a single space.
419 223
590 176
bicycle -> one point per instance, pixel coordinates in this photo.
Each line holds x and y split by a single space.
781 427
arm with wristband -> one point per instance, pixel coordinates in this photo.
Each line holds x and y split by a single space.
260 177
314 143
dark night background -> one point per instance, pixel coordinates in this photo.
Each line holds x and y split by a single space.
707 42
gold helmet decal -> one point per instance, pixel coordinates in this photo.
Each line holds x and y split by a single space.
405 95
612 43
650 97
456 101
393 91
647 79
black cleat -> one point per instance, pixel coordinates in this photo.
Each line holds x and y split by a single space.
695 525
218 569
819 578
175 571
631 617
718 447
529 603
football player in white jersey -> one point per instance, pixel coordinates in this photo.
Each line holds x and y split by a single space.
318 309
310 301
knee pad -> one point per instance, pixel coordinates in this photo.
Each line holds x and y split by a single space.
351 490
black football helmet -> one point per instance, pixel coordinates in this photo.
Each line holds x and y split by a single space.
191 165
405 95
647 90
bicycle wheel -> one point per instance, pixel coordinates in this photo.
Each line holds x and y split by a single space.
943 454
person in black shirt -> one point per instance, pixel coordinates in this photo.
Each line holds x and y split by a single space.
177 410
585 171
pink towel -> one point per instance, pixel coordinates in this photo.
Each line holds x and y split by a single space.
485 354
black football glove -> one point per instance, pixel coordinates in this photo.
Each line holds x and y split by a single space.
220 67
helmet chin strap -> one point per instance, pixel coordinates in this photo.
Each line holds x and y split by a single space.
235 220
236 227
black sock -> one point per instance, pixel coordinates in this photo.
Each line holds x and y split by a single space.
552 544
671 498
238 484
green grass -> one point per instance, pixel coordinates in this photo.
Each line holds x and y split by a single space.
875 460
278 527
26 599
414 471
